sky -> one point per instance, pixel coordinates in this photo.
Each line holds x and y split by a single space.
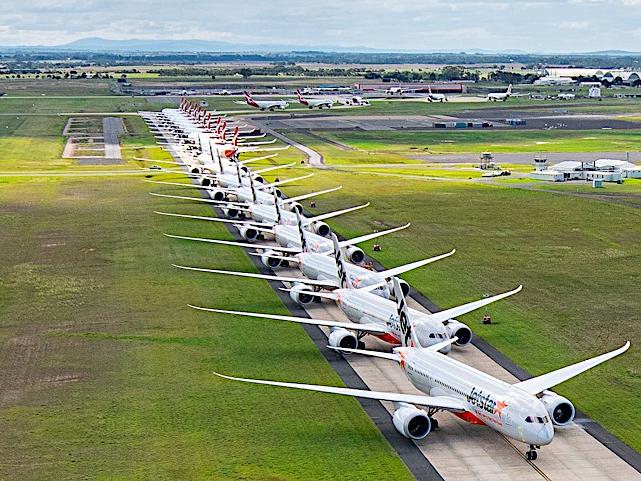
421 25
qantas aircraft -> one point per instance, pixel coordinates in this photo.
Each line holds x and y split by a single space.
314 103
525 411
369 313
500 96
264 104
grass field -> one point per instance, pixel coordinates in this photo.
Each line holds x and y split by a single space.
504 140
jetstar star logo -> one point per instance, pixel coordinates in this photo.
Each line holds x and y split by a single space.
499 407
486 402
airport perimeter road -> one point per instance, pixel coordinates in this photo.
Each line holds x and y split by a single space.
528 157
314 159
460 451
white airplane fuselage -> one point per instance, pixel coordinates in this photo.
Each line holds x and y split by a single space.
502 406
319 266
367 308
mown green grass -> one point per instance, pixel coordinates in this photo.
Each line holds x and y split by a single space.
504 140
578 258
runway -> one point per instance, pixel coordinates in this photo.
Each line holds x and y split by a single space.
458 450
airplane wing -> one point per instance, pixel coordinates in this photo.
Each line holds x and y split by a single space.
440 402
539 384
275 167
301 320
236 205
282 182
237 244
189 184
311 282
216 219
447 314
329 215
374 235
383 355
396 271
311 194
256 159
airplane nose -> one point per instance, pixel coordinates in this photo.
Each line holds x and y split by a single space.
546 434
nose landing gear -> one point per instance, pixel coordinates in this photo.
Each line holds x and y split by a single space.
531 454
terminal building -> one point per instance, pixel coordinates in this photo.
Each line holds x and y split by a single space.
605 170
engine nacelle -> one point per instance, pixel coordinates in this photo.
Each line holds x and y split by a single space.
230 212
296 207
259 179
248 232
411 422
355 254
343 338
321 229
195 170
460 330
279 193
206 181
268 259
560 409
302 294
405 287
218 195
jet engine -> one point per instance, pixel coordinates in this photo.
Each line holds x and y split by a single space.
230 212
411 422
560 409
195 170
259 179
321 229
355 254
268 259
248 232
206 181
302 294
460 330
340 337
296 207
405 287
216 194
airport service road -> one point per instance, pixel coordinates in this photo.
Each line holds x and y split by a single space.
461 451
315 159
528 157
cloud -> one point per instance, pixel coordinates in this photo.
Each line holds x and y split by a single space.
541 25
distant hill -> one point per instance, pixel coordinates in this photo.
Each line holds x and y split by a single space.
96 44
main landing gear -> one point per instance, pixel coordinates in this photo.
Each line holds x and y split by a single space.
531 454
433 420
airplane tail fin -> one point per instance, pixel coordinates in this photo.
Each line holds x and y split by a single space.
279 214
252 187
301 232
407 334
344 280
509 89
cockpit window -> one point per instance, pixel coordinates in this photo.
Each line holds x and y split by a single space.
432 335
537 419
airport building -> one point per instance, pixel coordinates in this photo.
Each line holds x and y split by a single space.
605 170
624 77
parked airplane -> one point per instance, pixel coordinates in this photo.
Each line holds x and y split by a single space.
315 264
500 96
432 97
370 313
526 411
314 103
264 104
